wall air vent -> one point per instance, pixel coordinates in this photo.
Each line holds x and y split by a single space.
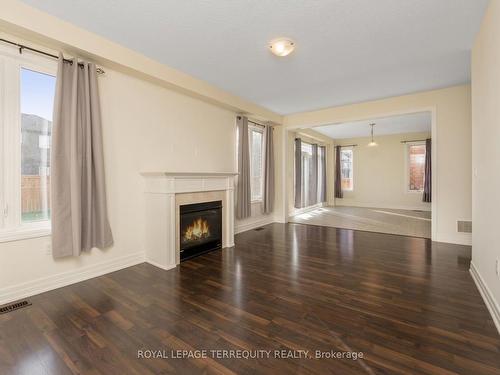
14 306
464 226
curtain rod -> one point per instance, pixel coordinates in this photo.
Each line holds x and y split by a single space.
310 143
256 123
253 122
22 46
346 146
415 140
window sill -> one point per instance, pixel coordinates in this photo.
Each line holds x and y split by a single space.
25 232
256 201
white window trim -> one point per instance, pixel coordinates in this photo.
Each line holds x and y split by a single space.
407 189
11 62
260 130
352 167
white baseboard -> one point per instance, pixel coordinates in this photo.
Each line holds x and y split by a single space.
166 268
454 238
44 284
488 298
298 211
382 206
250 224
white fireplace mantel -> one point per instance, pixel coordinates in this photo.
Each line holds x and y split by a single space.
161 189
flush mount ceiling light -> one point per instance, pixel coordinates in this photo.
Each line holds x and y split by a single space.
372 143
282 46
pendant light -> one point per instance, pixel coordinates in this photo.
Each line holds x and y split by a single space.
372 143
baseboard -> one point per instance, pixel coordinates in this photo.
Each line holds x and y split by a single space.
45 284
166 268
379 206
299 211
252 224
454 238
488 298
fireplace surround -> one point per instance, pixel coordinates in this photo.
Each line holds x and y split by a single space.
165 194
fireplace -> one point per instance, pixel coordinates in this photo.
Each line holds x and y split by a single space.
200 228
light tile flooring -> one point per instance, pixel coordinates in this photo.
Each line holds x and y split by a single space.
382 220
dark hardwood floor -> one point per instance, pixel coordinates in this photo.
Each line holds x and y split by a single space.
409 305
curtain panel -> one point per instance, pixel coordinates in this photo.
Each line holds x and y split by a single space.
338 174
243 192
322 173
313 177
268 193
78 193
427 196
299 203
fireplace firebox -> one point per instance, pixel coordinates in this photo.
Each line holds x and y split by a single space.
200 228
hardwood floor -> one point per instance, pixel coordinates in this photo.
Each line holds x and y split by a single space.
409 305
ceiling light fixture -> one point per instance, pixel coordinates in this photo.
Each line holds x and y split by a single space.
281 47
372 143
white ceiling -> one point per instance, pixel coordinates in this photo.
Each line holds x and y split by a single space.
412 123
347 50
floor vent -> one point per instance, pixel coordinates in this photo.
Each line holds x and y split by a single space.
259 228
464 226
14 306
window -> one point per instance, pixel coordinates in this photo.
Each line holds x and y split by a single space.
415 166
256 136
43 141
312 175
27 97
346 168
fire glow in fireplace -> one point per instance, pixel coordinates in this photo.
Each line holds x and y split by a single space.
200 228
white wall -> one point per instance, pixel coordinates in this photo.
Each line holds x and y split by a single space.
452 189
380 174
145 128
486 159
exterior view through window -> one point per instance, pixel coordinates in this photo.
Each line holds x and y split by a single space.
416 167
37 98
346 159
256 160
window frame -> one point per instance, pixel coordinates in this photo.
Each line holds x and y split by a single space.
11 62
407 167
255 128
351 149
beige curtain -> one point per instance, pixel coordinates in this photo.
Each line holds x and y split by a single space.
427 196
268 194
78 195
313 177
299 198
243 193
322 173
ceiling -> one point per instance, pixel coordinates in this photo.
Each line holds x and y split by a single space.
412 123
347 50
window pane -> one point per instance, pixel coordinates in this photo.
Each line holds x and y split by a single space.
346 169
416 160
256 165
37 98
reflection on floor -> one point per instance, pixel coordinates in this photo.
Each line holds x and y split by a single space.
382 220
